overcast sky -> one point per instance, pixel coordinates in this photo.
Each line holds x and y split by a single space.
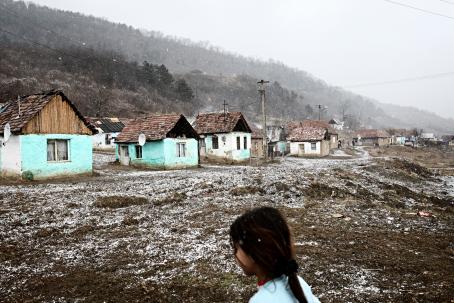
344 42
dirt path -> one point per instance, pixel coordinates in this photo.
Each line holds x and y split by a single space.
161 236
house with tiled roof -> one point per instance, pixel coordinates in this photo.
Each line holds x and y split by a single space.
333 135
225 136
308 140
372 137
44 136
108 130
158 141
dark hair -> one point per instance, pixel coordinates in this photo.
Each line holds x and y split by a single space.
264 235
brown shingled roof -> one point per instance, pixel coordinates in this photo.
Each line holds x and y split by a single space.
372 133
306 133
29 107
155 127
212 123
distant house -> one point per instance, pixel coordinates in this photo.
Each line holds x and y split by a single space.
256 143
49 138
277 140
336 124
398 136
108 129
448 139
224 136
332 135
170 142
372 137
308 141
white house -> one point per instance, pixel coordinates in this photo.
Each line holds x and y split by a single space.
308 141
336 124
108 130
223 136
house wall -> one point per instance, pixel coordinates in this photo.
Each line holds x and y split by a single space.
34 156
257 148
321 148
99 140
163 154
10 157
152 154
57 117
228 148
333 141
191 158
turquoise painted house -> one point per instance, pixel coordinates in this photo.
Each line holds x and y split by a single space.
44 136
169 142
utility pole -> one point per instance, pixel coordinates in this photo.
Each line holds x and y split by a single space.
225 112
261 90
319 111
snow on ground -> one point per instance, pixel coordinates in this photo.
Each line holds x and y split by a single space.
143 231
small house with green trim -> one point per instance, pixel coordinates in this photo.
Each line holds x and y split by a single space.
48 138
224 136
170 143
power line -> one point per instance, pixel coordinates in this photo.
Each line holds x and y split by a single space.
433 76
419 9
449 2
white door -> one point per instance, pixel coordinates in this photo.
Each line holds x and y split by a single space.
124 155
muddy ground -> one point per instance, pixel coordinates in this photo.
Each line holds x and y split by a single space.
367 229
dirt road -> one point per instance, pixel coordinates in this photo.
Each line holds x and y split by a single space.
130 235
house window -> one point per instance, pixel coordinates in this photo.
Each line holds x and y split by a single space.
181 150
238 143
215 142
313 146
245 142
124 151
108 139
57 150
138 152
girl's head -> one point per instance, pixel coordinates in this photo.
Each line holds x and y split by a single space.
264 236
263 246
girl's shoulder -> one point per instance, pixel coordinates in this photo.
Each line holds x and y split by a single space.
277 290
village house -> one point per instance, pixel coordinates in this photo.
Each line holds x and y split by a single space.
336 124
332 137
277 141
308 141
44 136
108 129
372 137
224 136
158 141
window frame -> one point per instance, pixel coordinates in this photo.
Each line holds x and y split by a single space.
238 143
245 142
313 146
213 144
55 150
139 150
181 152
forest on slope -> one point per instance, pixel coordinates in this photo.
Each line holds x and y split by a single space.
103 68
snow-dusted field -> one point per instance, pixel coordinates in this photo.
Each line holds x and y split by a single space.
128 235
